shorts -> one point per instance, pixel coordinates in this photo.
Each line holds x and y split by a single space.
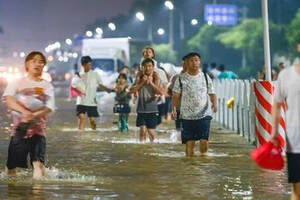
293 166
195 129
147 119
19 149
178 121
90 110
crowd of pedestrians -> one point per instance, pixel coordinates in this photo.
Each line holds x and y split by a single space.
189 96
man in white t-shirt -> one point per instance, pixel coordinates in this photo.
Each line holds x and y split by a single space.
197 97
31 99
87 103
287 89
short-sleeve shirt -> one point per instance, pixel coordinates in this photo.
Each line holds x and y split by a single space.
13 88
91 81
287 88
195 102
227 75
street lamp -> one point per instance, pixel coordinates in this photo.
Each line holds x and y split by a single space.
160 31
140 16
194 22
75 55
170 6
99 30
89 33
68 41
112 26
22 54
57 45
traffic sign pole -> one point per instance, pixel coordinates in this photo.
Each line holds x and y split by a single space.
264 4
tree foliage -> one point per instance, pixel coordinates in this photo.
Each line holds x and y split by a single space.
293 33
164 53
211 50
248 36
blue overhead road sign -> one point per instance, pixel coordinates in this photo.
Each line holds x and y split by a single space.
221 14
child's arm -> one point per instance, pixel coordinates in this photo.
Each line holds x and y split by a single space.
139 83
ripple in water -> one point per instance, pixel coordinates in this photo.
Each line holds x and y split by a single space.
52 175
182 154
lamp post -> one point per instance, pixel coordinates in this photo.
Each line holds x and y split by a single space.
170 6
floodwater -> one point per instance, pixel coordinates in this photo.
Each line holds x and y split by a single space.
106 164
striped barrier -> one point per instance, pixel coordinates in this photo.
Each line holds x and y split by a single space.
264 91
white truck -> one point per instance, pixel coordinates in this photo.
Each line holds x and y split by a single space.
111 54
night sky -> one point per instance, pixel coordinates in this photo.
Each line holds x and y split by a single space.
31 24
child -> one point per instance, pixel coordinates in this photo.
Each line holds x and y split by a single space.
32 99
122 98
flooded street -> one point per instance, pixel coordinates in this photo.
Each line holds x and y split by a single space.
106 164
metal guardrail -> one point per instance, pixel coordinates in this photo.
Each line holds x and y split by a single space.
241 117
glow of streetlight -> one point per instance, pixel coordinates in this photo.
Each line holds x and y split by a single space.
89 33
60 59
22 54
57 45
99 30
68 41
169 5
47 49
140 16
194 22
75 55
160 31
209 23
112 26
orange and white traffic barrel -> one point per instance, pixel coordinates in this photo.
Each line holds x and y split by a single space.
264 93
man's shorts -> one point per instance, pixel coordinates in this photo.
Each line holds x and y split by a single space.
90 110
293 165
178 121
19 149
195 129
147 119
